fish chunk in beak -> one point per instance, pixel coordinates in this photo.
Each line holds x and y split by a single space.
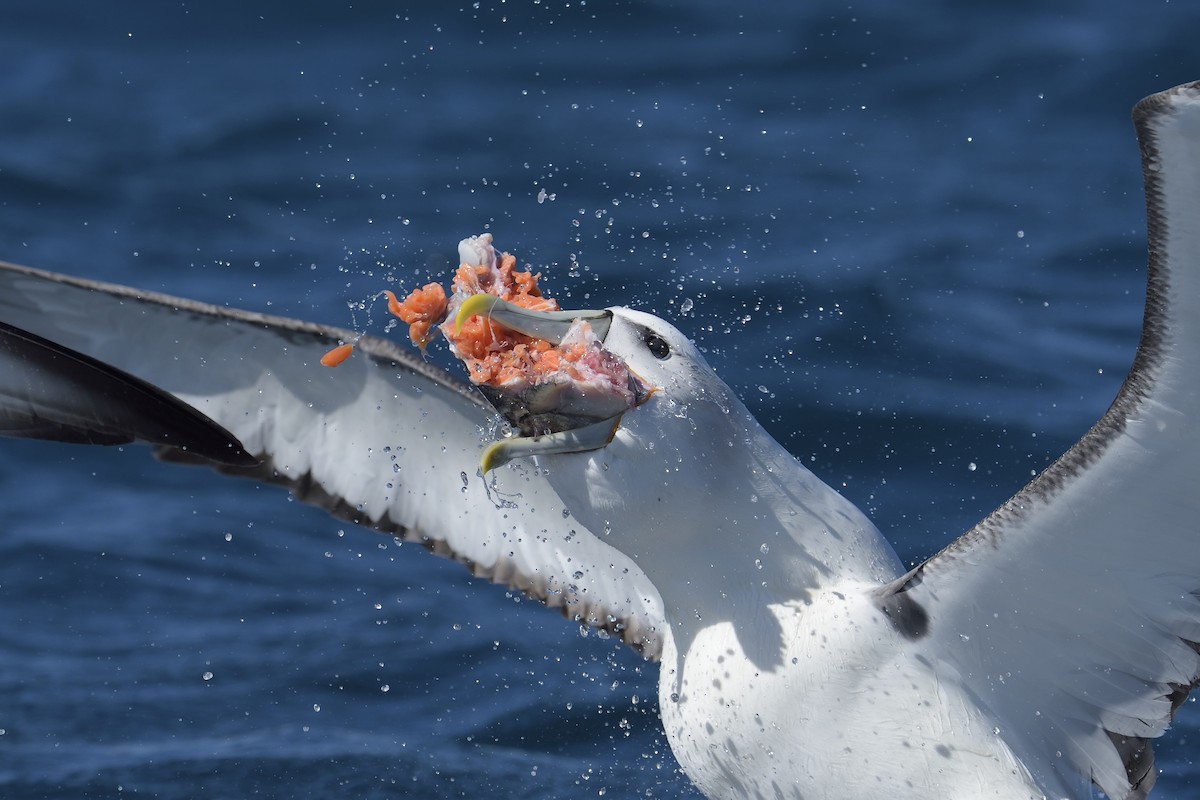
567 397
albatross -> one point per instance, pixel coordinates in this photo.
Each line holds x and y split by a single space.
1038 655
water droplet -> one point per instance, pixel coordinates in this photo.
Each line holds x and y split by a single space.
208 676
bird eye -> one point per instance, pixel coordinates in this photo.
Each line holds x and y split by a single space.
657 345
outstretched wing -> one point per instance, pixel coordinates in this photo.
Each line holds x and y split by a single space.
385 440
1071 612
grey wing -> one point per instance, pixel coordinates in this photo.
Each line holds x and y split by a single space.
385 440
1071 612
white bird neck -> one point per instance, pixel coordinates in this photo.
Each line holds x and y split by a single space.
723 520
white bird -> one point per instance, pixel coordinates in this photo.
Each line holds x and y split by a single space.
1038 655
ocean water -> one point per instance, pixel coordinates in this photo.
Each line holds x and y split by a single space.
911 236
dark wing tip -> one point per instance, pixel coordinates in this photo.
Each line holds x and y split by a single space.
48 391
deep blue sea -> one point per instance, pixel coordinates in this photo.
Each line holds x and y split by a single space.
910 234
